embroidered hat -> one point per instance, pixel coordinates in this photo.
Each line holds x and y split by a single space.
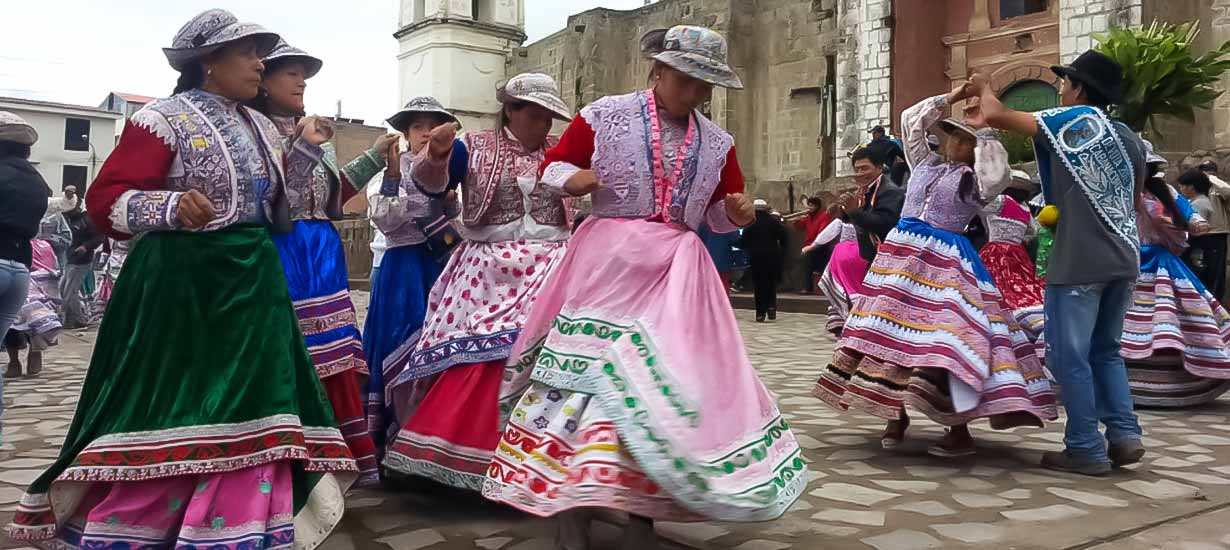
209 32
1151 157
951 125
695 51
1097 71
418 106
286 52
16 129
536 88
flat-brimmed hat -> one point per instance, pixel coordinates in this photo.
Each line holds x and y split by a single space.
15 129
211 31
1097 71
952 125
284 52
695 51
1151 156
422 105
536 88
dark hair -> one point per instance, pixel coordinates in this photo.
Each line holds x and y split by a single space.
1197 179
1208 166
190 78
1092 96
14 149
968 186
862 153
815 201
1158 188
404 122
1019 195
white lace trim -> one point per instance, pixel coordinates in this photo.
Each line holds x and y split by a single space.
157 124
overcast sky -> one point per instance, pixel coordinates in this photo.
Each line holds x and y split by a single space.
77 51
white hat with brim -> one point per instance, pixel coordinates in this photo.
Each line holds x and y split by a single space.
284 52
1151 156
211 31
760 204
695 51
1022 180
952 125
422 105
536 88
15 129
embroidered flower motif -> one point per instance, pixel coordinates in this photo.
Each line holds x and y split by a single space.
570 425
570 410
554 396
113 520
218 522
266 487
541 423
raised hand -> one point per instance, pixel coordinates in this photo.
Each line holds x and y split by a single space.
441 142
582 183
315 130
740 210
384 145
195 211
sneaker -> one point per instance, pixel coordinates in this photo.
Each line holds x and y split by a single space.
1126 453
1064 462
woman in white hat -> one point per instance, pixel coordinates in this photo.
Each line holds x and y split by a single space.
638 392
1009 227
1176 335
516 231
313 257
419 239
201 417
931 331
25 200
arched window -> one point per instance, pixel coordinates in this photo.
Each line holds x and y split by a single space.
1029 96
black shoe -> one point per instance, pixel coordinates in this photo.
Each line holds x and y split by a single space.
1126 453
1064 462
772 314
760 318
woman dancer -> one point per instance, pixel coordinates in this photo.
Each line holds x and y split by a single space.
931 330
201 421
516 231
842 279
313 257
638 392
411 263
38 325
1009 226
1176 336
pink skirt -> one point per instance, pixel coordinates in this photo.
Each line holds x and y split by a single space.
841 282
639 393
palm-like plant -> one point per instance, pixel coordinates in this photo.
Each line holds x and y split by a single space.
1161 74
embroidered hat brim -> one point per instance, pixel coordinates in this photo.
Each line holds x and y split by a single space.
545 100
311 65
23 134
701 68
952 125
266 41
402 119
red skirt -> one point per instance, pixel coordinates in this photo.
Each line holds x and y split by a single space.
344 390
1014 273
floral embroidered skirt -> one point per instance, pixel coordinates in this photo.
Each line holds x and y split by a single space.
448 387
841 281
1014 274
639 395
201 420
37 323
932 331
315 265
395 313
1176 336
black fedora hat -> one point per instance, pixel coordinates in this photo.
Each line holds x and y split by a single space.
1097 71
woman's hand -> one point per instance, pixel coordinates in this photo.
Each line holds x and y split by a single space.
315 130
582 183
441 142
384 146
195 211
740 210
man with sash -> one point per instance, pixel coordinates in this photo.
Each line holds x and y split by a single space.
875 207
1092 169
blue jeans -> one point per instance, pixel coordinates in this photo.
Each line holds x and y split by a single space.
1083 326
14 284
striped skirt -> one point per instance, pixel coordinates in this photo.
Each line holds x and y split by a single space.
932 332
1176 337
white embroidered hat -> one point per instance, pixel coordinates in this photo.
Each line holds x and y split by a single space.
698 52
16 129
536 88
209 32
416 106
284 52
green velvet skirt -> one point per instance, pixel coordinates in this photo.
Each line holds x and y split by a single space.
199 368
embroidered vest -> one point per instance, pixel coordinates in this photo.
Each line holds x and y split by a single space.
490 190
623 161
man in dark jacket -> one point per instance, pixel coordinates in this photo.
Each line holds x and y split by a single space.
23 200
86 240
765 242
875 207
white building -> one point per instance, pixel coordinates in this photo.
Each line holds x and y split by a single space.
73 140
456 51
124 104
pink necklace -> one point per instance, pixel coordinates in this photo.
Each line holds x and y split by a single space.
664 184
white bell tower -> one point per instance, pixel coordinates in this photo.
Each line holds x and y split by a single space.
455 51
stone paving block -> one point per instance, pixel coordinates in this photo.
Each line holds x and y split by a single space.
908 486
871 518
414 540
1091 499
1047 513
854 494
930 508
970 533
494 543
1159 490
903 539
978 500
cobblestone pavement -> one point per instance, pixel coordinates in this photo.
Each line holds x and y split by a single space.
859 496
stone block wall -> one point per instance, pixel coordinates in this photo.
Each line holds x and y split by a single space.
1079 19
864 74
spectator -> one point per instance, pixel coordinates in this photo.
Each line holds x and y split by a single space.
875 207
811 225
86 240
885 150
765 242
1210 197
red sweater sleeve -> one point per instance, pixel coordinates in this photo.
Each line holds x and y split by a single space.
732 178
576 146
140 162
